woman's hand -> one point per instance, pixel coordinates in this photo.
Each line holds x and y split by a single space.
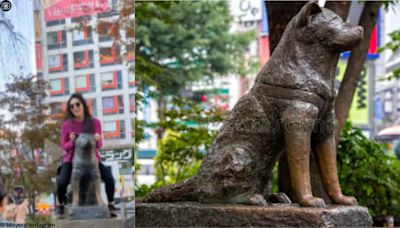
72 136
10 212
21 212
97 137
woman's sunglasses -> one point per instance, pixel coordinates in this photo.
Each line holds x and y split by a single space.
75 105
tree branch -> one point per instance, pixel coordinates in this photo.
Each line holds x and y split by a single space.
355 66
341 8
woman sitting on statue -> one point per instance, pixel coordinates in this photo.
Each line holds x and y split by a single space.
79 120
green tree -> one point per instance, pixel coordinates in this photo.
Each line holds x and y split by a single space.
180 42
188 136
393 45
28 126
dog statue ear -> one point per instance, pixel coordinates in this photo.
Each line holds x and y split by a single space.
308 9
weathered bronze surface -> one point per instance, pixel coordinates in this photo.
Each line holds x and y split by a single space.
85 177
291 108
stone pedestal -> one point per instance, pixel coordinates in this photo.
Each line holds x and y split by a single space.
117 222
191 214
87 212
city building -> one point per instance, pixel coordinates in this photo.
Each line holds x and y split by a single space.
387 96
76 53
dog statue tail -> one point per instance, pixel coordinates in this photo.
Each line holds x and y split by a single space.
183 191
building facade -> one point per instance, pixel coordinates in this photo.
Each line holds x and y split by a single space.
387 96
76 53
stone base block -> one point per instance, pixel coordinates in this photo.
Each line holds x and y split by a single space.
117 222
191 214
88 212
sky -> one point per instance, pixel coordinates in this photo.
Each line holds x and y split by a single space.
17 58
391 17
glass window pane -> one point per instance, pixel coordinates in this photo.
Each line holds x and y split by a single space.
80 81
52 38
105 53
56 107
108 102
107 78
131 99
110 126
79 57
54 61
78 35
55 84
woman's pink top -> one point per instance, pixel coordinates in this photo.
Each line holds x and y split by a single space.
70 126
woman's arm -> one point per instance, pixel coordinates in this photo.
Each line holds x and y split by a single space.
66 143
97 130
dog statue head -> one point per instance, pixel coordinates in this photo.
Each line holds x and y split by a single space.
313 23
85 146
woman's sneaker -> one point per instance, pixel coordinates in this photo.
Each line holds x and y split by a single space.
112 210
111 207
60 211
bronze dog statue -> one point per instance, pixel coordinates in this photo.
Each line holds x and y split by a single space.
85 177
290 108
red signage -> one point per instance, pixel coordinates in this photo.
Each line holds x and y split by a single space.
373 43
74 8
39 57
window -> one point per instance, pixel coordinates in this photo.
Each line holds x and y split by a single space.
108 56
111 80
113 105
122 129
132 102
104 30
114 129
131 82
91 102
112 12
57 109
58 63
81 19
55 22
56 40
130 52
120 104
82 36
59 87
146 170
110 105
83 60
85 83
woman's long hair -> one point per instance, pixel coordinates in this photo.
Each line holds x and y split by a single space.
87 122
3 191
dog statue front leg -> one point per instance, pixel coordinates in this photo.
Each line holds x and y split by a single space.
297 123
326 150
75 190
97 191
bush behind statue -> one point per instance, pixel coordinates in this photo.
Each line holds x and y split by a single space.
369 172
